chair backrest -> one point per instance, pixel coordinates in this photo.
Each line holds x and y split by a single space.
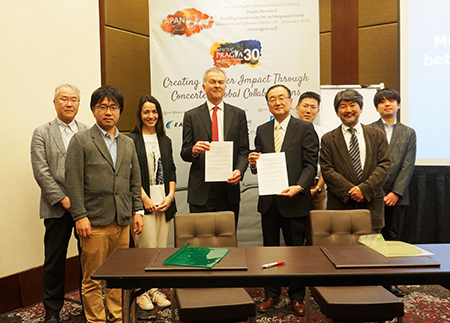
338 227
210 229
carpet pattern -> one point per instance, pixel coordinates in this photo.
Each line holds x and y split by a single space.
424 304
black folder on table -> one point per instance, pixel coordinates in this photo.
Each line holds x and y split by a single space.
363 256
234 260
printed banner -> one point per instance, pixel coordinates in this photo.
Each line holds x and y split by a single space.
258 44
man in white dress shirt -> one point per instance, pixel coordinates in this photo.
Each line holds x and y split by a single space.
308 108
355 161
48 154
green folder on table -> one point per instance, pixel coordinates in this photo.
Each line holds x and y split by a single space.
196 256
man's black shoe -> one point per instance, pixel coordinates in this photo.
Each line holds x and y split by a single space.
51 316
395 290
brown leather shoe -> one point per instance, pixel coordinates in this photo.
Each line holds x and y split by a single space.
267 304
298 308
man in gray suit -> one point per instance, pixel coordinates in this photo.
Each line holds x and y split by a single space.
402 145
355 161
104 184
48 154
214 120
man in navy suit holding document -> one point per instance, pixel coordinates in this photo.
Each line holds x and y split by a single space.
288 209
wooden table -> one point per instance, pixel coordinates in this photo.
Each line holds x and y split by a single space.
306 265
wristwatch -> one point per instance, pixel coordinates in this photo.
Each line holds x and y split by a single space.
318 189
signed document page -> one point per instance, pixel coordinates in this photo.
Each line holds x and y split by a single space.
219 161
272 173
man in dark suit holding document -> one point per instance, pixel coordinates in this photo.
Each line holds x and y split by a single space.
288 209
214 120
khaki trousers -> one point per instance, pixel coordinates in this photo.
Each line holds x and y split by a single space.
104 240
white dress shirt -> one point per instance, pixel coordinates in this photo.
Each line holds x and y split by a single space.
67 130
284 125
389 129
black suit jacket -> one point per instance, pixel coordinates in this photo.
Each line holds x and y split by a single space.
301 147
165 150
197 126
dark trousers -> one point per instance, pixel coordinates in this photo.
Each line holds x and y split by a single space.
56 240
217 201
294 235
393 219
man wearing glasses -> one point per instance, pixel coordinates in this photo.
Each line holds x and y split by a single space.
104 185
288 209
48 153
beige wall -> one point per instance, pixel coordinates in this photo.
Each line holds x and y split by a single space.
44 44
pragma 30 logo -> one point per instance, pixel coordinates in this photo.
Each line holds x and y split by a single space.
245 52
173 124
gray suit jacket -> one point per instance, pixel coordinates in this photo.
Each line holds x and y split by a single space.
340 176
197 126
96 188
48 155
403 157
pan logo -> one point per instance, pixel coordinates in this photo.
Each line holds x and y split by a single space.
173 124
186 22
245 52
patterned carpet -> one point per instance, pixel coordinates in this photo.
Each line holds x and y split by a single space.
427 303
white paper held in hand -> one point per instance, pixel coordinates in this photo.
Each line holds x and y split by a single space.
272 173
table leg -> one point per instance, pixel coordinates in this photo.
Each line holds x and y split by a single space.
133 310
307 304
128 309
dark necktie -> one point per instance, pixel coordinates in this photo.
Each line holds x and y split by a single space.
214 125
354 154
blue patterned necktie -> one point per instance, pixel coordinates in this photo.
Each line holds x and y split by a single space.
354 154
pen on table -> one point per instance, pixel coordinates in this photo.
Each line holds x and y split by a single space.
273 264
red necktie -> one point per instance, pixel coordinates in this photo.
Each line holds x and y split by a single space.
214 125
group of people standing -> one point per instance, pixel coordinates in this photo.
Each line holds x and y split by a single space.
110 186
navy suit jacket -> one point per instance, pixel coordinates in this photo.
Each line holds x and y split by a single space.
197 127
301 147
